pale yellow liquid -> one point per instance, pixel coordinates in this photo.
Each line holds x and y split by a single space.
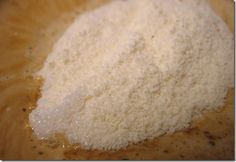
28 30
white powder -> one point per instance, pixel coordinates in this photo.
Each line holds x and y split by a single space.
132 70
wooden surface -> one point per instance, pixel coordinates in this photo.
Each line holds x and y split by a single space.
28 28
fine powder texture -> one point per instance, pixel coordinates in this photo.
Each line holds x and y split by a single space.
132 70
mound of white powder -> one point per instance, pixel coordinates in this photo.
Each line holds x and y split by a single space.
133 70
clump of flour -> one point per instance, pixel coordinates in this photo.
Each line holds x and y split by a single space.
132 70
